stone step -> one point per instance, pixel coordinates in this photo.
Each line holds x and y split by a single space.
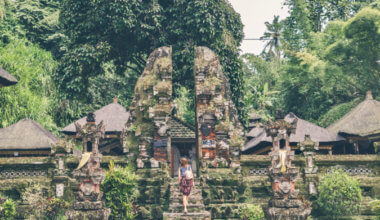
194 190
178 207
179 195
190 201
189 216
192 196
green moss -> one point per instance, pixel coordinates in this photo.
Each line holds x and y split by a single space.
164 87
163 65
236 140
224 126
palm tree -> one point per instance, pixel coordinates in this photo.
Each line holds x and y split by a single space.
274 37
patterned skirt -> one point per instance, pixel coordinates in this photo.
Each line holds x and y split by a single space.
185 186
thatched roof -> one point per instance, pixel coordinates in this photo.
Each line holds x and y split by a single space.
181 130
363 120
316 133
6 79
26 135
114 116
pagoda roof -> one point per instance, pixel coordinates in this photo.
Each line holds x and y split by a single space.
181 130
317 134
26 134
114 117
6 79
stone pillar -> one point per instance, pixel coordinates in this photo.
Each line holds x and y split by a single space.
89 175
150 110
284 203
60 175
219 132
309 148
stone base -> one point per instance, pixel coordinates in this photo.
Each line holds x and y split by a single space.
100 214
287 209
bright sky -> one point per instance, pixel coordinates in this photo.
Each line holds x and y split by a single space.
253 15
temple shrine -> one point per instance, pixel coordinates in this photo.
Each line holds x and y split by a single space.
276 165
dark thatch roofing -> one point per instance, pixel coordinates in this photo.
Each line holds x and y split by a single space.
6 79
363 120
316 133
114 116
181 130
26 135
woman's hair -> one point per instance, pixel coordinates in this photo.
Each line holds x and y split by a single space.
183 161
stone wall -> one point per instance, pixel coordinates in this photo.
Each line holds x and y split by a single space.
224 192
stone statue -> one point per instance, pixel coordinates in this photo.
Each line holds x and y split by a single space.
89 175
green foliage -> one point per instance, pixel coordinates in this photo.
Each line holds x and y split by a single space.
130 30
337 66
252 212
274 34
337 112
120 191
185 105
306 17
8 210
33 96
36 197
339 195
260 79
56 208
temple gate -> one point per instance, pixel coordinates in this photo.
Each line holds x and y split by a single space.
219 132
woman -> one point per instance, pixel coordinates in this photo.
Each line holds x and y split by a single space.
185 181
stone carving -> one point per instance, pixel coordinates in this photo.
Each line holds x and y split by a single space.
219 130
284 204
89 175
151 108
359 170
11 174
59 189
309 147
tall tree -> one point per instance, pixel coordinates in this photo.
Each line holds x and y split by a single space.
336 69
125 32
274 36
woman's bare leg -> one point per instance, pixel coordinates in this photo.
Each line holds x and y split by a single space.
184 203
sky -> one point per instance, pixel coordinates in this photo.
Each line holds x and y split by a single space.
253 15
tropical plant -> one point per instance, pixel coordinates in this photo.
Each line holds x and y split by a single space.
185 105
274 38
252 212
339 195
34 95
120 191
56 208
8 210
35 196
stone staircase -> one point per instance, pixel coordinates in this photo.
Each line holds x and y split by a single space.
195 208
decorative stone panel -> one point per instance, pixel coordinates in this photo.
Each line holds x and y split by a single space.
360 170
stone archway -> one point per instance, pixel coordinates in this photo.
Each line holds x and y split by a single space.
218 130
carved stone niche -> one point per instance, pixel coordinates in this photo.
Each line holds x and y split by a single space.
204 99
200 76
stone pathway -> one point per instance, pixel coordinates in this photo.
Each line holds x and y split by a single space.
196 208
